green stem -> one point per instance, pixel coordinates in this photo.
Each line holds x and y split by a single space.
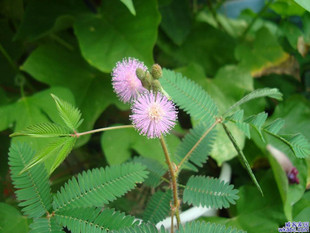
214 14
8 58
101 130
254 19
218 120
62 42
173 175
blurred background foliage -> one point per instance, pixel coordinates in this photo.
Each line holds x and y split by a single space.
69 48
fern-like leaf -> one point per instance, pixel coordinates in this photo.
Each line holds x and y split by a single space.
99 186
158 207
45 225
59 149
70 115
201 226
257 122
43 130
145 228
189 96
200 154
275 126
237 118
33 190
92 219
298 143
209 192
258 93
155 169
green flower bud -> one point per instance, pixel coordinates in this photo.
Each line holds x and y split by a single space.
156 71
156 86
147 81
140 73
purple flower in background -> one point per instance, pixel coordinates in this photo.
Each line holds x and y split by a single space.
125 82
153 114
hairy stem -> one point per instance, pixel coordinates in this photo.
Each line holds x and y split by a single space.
218 120
101 130
173 175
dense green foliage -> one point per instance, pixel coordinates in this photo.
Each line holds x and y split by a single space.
241 86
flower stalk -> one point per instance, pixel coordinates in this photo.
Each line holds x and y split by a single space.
76 134
173 175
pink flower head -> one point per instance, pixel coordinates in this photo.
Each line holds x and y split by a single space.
125 82
153 114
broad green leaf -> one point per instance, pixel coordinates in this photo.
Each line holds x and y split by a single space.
117 153
70 115
92 90
43 130
304 3
114 33
302 208
44 17
176 20
264 52
211 55
287 8
292 33
129 5
11 221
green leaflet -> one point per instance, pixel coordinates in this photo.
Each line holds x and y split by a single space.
70 115
189 96
55 152
145 228
45 225
258 93
91 219
209 192
200 154
242 157
99 186
33 185
298 143
158 207
43 130
129 5
200 226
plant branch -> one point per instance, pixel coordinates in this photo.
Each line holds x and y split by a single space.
214 14
173 175
8 58
101 130
186 157
255 18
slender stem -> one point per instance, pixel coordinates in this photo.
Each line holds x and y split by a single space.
214 14
62 42
173 176
218 120
101 130
172 217
255 18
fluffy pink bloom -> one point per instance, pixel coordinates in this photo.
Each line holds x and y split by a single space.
153 114
125 81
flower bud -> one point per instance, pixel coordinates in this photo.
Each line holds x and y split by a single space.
156 86
156 71
140 73
147 81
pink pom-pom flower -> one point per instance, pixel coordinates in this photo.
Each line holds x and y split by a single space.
125 82
153 114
